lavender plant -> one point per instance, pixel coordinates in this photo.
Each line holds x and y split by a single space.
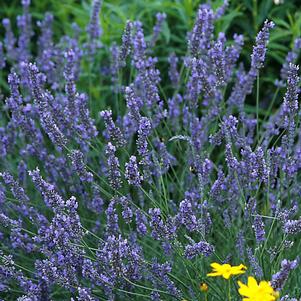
134 202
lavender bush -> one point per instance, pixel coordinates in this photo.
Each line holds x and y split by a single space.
133 196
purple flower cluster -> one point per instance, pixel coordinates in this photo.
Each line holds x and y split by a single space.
279 279
201 247
114 132
132 173
113 171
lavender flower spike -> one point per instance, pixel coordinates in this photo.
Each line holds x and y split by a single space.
2 57
201 247
254 263
259 50
126 43
258 227
42 99
132 173
77 159
143 133
292 226
114 174
70 87
114 132
290 103
17 191
94 28
157 28
9 40
279 279
51 197
173 72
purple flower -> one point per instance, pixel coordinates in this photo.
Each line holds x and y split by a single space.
161 230
200 248
86 126
126 44
173 71
174 110
17 191
114 174
77 160
84 294
45 41
244 81
160 276
132 173
42 99
230 159
290 59
221 10
279 279
25 26
70 87
94 29
9 40
160 18
8 222
162 159
114 132
121 259
51 197
114 66
258 227
112 227
259 50
139 47
148 76
2 57
134 104
254 263
141 222
217 55
240 244
202 31
143 134
186 216
97 203
290 101
292 226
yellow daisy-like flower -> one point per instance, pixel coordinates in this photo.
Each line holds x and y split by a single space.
254 291
226 270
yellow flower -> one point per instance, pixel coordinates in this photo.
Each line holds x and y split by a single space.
226 270
203 287
257 292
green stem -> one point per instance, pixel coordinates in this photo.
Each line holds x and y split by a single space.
229 290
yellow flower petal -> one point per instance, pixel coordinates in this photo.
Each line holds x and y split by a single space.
254 291
252 282
215 265
243 290
226 270
214 274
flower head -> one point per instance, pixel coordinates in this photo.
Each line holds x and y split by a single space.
203 287
254 291
226 270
